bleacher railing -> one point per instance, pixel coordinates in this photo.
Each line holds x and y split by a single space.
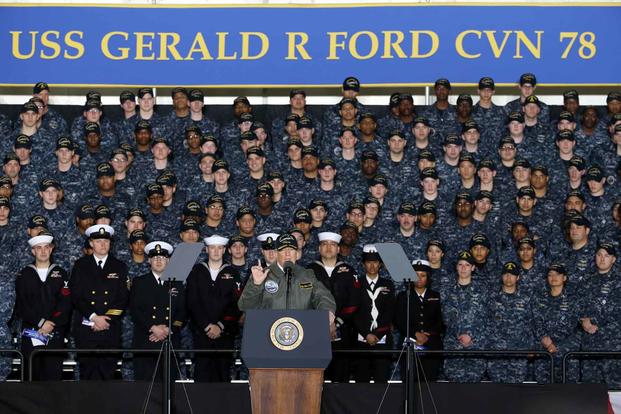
450 353
21 360
582 354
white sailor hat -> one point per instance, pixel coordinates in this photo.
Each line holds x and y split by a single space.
41 239
329 236
216 240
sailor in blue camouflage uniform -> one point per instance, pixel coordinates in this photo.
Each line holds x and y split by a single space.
50 206
230 132
427 214
600 302
526 145
447 164
613 109
599 197
267 218
509 327
107 194
42 140
179 116
163 224
390 120
590 138
368 168
577 255
369 137
350 90
51 120
441 114
73 238
331 186
9 270
93 154
443 275
398 161
350 249
606 155
174 195
464 312
406 233
189 149
72 178
135 219
532 265
28 169
347 118
459 227
346 154
93 112
216 217
297 106
555 318
527 86
486 113
223 186
485 260
253 172
526 209
159 123
535 128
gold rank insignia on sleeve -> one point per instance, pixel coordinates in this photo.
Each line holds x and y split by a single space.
114 312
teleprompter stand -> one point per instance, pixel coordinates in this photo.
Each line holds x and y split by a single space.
177 271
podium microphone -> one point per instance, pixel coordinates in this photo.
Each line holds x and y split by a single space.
288 267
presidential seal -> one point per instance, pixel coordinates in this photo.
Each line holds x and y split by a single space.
286 334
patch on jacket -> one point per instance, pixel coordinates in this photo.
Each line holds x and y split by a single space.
306 285
271 286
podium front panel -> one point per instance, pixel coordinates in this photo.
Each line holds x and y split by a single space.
286 339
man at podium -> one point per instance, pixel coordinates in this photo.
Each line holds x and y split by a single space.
286 285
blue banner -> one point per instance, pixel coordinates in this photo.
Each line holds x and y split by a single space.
262 46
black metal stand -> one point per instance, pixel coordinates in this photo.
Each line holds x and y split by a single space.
167 385
409 395
166 354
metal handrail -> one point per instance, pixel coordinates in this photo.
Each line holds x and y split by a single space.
36 352
467 353
21 360
585 353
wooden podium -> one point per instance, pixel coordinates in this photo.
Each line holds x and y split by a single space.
287 352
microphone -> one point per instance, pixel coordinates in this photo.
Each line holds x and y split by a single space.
288 267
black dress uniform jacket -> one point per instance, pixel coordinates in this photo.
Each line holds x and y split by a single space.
38 302
100 291
425 316
213 302
345 286
149 305
385 304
